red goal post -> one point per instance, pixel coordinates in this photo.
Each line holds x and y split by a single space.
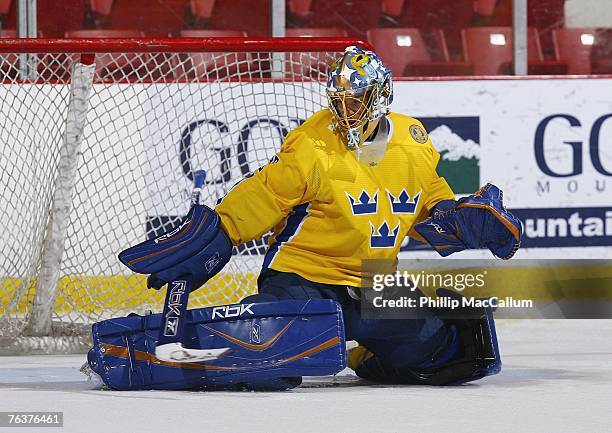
159 55
179 45
100 139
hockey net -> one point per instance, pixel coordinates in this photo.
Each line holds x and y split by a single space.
99 142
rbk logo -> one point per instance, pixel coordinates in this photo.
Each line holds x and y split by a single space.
402 204
382 237
365 205
256 334
171 326
168 235
175 305
176 292
212 262
437 227
232 311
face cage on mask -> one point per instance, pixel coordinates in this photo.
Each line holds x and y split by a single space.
350 109
372 107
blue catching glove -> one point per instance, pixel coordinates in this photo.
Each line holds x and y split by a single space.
477 221
198 247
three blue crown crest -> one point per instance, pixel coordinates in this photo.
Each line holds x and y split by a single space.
365 205
383 237
402 203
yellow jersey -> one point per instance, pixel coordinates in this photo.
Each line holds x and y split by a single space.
329 210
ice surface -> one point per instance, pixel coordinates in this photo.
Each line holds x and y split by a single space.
557 377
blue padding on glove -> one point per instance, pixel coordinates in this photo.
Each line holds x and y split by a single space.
269 341
194 232
203 266
477 221
198 246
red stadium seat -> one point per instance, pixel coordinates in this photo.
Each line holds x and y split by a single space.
489 49
100 11
118 66
157 18
253 16
5 9
5 6
101 7
484 7
54 17
392 8
406 53
449 16
353 16
543 15
601 53
537 64
310 65
399 47
574 47
103 33
299 8
212 33
210 65
316 32
202 9
546 15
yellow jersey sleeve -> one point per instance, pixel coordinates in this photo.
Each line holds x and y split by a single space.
265 197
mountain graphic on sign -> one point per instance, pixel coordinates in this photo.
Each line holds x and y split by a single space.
451 146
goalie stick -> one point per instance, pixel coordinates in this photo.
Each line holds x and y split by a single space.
169 346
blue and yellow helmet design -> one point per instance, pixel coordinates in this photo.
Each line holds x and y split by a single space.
359 92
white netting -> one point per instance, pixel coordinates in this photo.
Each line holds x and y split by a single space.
152 119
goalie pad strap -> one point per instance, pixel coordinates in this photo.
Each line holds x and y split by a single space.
268 341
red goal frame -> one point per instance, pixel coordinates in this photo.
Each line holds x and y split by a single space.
179 45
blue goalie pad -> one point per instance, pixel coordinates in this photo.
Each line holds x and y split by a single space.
272 344
470 353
